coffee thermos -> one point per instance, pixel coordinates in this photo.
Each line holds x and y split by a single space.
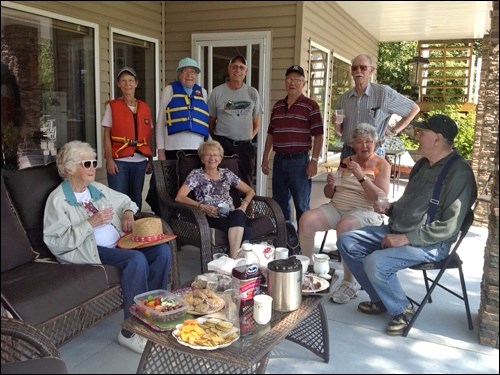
285 284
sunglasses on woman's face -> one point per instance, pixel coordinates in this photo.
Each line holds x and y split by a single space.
362 67
87 164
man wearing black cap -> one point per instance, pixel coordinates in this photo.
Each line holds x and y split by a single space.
235 111
420 229
295 128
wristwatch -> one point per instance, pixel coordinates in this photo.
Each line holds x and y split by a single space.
314 159
361 180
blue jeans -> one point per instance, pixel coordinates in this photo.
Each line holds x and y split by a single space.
130 180
141 270
290 181
376 268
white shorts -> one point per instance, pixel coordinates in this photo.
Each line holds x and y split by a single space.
364 216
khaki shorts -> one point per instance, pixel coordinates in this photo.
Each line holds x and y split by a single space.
364 216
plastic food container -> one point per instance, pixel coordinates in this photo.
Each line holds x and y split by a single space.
160 305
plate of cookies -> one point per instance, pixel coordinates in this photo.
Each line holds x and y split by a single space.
206 333
203 301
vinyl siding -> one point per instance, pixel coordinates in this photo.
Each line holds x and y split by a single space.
122 15
279 17
328 25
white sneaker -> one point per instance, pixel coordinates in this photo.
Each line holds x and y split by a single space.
345 292
134 342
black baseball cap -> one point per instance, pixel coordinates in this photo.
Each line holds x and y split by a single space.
439 124
239 57
295 69
126 69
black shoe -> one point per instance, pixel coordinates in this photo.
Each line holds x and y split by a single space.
400 322
372 308
397 325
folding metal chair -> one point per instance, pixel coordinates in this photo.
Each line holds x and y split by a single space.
451 261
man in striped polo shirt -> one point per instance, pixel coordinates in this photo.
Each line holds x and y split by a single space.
295 127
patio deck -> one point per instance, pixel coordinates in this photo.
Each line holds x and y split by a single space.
440 342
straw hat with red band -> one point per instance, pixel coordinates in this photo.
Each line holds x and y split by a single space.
147 232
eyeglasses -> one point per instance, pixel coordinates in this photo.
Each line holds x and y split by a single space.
189 72
361 143
362 67
212 156
87 164
291 80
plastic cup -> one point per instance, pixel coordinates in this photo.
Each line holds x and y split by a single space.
262 308
337 178
339 116
281 253
382 201
232 301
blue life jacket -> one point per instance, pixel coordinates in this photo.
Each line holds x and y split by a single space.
187 112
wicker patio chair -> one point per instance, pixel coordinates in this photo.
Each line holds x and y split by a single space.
190 224
26 350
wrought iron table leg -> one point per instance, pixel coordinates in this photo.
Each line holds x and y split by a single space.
312 333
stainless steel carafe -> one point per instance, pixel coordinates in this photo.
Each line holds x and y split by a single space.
285 283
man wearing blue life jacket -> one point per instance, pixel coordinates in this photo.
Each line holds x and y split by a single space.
182 122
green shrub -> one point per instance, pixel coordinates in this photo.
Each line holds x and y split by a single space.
464 140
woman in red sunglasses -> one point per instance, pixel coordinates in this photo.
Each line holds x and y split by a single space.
371 103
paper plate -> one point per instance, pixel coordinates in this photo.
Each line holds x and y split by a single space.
234 332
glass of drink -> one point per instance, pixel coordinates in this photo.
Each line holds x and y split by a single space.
382 201
339 116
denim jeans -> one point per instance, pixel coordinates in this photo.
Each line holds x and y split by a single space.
376 268
129 180
290 181
141 270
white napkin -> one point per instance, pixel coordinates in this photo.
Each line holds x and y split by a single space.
224 265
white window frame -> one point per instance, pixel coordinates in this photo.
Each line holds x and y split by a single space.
156 42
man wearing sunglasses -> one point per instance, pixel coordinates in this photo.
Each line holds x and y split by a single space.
371 103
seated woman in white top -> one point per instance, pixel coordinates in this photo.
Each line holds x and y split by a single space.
365 176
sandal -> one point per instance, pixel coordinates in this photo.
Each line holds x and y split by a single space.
372 308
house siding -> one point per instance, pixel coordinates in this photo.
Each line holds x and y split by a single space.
108 14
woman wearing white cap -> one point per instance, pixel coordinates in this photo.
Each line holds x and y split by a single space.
182 122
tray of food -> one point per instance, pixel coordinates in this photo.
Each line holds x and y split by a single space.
160 306
206 333
157 326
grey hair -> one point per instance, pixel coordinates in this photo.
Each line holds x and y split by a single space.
368 57
210 144
364 129
70 155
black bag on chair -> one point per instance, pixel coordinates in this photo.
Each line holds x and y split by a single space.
292 239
